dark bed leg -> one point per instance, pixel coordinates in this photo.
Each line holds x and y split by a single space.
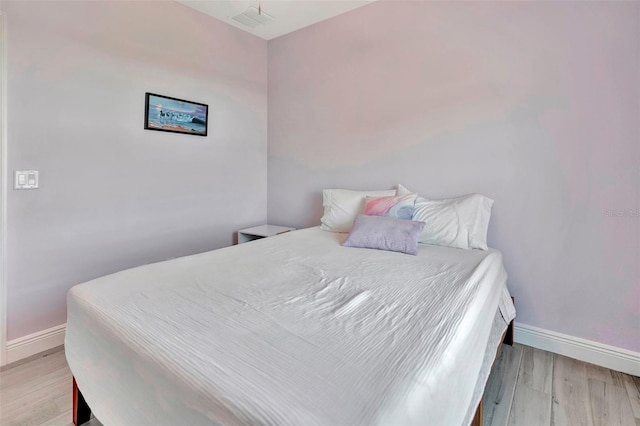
81 411
508 337
477 419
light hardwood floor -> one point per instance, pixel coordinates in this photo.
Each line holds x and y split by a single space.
532 387
527 387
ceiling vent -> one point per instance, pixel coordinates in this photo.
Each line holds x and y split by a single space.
252 18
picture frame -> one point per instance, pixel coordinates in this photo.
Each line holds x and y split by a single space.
168 114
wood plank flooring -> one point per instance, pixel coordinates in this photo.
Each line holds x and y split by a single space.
37 393
551 389
527 387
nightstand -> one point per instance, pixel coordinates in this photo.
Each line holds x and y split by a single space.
262 231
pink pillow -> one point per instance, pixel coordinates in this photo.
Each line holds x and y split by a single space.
396 206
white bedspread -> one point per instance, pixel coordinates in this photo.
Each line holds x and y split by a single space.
293 329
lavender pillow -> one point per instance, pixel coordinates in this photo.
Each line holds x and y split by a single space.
385 233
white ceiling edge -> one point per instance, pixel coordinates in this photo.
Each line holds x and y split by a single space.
290 15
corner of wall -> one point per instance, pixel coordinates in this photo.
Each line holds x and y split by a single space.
3 192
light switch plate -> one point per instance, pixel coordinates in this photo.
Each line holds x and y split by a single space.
26 179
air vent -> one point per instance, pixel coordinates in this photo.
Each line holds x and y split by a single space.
252 18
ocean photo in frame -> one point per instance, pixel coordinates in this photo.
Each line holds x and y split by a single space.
167 114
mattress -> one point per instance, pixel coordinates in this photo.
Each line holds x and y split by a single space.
292 329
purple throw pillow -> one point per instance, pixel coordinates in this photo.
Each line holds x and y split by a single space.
385 233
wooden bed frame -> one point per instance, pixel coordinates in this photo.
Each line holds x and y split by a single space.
82 412
507 338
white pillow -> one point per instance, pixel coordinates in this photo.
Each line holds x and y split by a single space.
460 222
404 191
341 206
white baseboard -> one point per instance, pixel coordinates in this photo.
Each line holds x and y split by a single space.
607 356
24 347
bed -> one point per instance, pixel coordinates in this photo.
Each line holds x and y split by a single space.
293 329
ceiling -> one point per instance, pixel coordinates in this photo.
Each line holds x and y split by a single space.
288 15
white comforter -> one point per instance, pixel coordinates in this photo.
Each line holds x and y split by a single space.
293 329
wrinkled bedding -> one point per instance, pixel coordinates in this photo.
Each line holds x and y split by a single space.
293 329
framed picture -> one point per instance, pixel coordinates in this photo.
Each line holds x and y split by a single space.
175 115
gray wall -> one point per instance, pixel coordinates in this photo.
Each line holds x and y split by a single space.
534 104
113 195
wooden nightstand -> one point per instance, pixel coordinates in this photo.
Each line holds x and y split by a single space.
262 231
